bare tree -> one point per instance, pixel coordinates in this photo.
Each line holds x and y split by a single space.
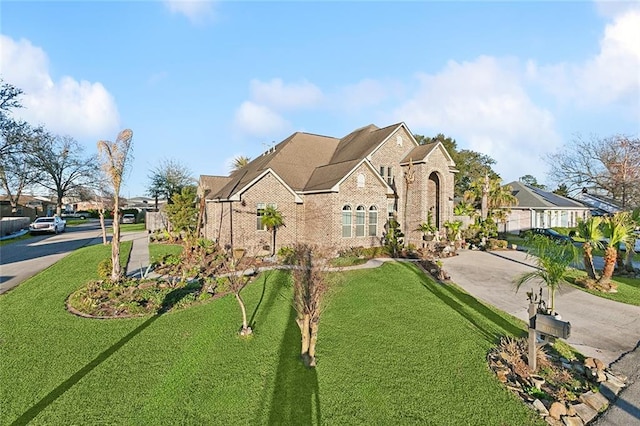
114 158
610 165
309 287
238 279
62 163
168 178
10 129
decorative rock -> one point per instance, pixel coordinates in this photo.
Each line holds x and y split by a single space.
609 390
590 363
619 382
553 422
502 375
597 401
572 421
619 376
538 405
599 364
600 376
585 412
566 366
557 410
571 411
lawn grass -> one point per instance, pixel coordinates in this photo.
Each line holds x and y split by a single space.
628 288
158 251
130 227
394 348
13 240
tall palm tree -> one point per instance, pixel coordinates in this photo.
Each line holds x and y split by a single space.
630 245
239 162
552 260
272 219
617 229
498 196
590 230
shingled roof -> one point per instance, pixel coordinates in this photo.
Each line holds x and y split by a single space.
536 198
306 162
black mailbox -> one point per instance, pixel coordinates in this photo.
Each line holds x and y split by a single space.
551 326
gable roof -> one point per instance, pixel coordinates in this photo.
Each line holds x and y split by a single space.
536 198
306 162
210 185
420 153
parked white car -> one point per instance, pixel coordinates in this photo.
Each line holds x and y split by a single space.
52 224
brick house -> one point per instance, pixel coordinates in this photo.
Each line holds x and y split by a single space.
337 193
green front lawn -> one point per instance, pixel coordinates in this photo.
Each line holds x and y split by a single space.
12 240
130 227
394 348
628 288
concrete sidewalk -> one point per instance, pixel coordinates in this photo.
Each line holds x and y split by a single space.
139 262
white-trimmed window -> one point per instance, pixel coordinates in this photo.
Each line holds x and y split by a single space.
373 221
346 221
260 212
360 218
361 180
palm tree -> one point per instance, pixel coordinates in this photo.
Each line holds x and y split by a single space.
552 261
239 162
497 196
617 229
631 243
590 230
272 219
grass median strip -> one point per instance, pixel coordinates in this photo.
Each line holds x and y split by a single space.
394 347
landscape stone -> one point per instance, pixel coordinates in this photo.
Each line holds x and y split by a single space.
597 401
599 364
553 422
609 390
570 410
615 380
585 412
557 410
572 421
538 405
600 376
590 363
619 376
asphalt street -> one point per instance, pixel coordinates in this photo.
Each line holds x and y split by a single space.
22 259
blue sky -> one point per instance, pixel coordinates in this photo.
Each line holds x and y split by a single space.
203 82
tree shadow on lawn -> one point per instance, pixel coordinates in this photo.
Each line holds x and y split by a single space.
261 310
465 305
296 396
170 300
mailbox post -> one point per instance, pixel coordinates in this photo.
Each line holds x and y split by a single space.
547 326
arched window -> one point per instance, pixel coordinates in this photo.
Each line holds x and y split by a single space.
346 221
361 180
373 221
360 216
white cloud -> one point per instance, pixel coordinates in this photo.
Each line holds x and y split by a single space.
611 76
259 120
281 96
484 106
366 93
197 11
77 108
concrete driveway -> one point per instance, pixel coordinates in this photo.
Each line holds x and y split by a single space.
599 327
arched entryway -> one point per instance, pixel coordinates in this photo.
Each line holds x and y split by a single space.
433 198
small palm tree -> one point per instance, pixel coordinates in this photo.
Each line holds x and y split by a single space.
590 230
272 219
617 229
552 261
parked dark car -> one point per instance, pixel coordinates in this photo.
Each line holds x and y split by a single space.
549 233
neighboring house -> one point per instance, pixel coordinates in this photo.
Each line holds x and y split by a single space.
600 205
29 206
335 193
538 208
